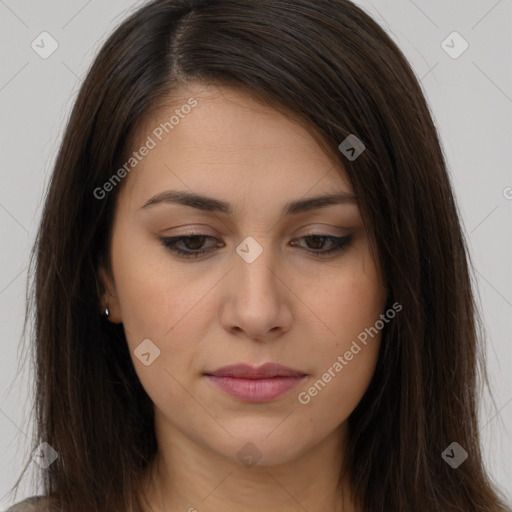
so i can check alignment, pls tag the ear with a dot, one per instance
(108, 296)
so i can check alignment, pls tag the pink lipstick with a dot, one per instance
(255, 384)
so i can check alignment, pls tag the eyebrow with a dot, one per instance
(210, 204)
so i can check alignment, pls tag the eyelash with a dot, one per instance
(341, 243)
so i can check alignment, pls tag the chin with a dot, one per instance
(262, 447)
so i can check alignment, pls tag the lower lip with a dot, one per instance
(255, 390)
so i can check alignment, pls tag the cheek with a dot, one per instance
(329, 398)
(350, 300)
(161, 303)
(157, 296)
(342, 372)
(344, 359)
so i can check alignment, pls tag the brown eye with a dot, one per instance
(317, 242)
(193, 245)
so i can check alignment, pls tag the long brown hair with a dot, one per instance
(329, 64)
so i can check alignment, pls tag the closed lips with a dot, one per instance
(266, 371)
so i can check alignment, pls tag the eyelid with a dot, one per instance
(309, 231)
(323, 231)
(315, 229)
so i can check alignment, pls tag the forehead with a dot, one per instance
(229, 142)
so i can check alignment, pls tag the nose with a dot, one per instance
(257, 301)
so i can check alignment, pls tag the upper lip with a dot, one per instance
(246, 371)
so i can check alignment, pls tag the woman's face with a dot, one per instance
(266, 289)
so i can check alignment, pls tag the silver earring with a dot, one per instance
(107, 312)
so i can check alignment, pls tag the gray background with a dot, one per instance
(471, 100)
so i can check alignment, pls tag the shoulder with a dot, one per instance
(33, 504)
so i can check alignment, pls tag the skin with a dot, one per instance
(288, 306)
